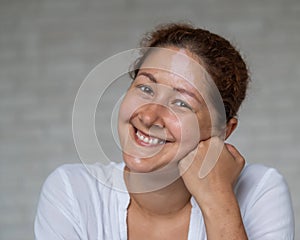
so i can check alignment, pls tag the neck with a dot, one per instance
(166, 201)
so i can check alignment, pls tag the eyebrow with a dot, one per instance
(180, 90)
(191, 94)
(148, 75)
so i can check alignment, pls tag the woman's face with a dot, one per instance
(163, 116)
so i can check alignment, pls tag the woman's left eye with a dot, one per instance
(146, 89)
(181, 103)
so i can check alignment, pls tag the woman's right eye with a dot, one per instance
(146, 89)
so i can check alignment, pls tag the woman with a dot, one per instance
(181, 180)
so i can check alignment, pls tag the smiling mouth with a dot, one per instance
(145, 139)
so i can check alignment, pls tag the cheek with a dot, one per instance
(189, 134)
(126, 110)
(128, 107)
(205, 126)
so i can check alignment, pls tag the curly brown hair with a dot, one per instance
(220, 59)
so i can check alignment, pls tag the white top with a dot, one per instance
(75, 205)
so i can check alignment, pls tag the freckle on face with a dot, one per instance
(185, 128)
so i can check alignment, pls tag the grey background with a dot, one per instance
(48, 47)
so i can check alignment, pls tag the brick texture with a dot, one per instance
(48, 47)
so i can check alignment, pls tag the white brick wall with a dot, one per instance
(48, 47)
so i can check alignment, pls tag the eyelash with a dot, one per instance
(148, 90)
(182, 104)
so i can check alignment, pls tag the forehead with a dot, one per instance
(182, 63)
(179, 64)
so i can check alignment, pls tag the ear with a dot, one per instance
(231, 126)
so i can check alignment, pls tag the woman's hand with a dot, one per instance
(210, 177)
(207, 174)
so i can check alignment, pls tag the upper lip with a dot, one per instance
(151, 136)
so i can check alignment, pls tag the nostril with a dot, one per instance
(150, 119)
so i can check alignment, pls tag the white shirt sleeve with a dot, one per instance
(56, 213)
(268, 214)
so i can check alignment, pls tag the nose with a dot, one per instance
(152, 115)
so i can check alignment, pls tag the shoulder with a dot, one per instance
(65, 176)
(256, 179)
(82, 172)
(81, 181)
(81, 188)
(265, 203)
(71, 194)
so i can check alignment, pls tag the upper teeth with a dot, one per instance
(149, 140)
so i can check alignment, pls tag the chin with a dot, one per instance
(148, 165)
(138, 165)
